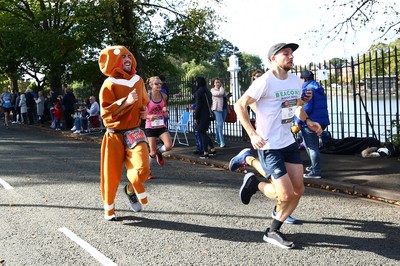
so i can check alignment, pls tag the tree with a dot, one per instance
(55, 34)
(380, 60)
(157, 32)
(375, 15)
(62, 39)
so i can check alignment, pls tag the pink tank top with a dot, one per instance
(156, 108)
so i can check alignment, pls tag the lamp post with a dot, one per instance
(234, 68)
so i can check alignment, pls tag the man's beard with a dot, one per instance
(125, 68)
(286, 67)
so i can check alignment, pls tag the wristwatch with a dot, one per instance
(305, 120)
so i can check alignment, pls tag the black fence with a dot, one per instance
(363, 96)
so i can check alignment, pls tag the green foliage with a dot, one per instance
(58, 41)
(192, 69)
(394, 133)
(48, 36)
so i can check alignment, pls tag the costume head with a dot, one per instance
(110, 62)
(279, 46)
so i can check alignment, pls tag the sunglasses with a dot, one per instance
(157, 83)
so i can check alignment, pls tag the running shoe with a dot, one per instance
(110, 217)
(248, 188)
(160, 159)
(150, 176)
(239, 160)
(278, 239)
(289, 220)
(133, 200)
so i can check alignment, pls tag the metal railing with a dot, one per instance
(363, 96)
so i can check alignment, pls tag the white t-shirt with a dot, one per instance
(276, 101)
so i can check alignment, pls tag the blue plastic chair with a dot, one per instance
(181, 128)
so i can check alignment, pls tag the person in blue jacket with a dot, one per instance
(316, 109)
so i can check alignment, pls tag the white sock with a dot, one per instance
(162, 149)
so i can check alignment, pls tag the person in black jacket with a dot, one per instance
(203, 100)
(30, 104)
(68, 104)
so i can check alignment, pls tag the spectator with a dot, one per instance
(256, 74)
(316, 109)
(57, 111)
(40, 108)
(164, 87)
(53, 97)
(14, 107)
(218, 98)
(30, 105)
(80, 115)
(18, 119)
(88, 112)
(199, 143)
(68, 105)
(203, 100)
(23, 108)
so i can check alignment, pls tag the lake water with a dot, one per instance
(351, 118)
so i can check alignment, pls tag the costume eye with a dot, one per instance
(117, 51)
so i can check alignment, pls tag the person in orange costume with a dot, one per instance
(123, 101)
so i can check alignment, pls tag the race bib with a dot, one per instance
(157, 122)
(288, 109)
(134, 137)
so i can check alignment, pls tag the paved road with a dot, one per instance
(53, 215)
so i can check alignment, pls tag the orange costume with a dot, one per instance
(114, 152)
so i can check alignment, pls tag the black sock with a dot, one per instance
(275, 226)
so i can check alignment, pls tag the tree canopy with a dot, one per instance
(58, 41)
(351, 16)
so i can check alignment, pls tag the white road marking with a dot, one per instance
(5, 184)
(86, 246)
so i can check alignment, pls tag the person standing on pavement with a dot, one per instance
(57, 111)
(18, 118)
(123, 101)
(317, 110)
(277, 97)
(23, 108)
(40, 108)
(202, 120)
(68, 106)
(220, 110)
(30, 105)
(155, 121)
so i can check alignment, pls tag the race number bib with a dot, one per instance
(134, 137)
(288, 109)
(157, 122)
